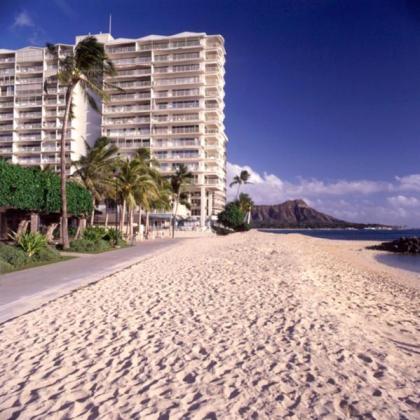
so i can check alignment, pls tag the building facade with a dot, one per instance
(168, 95)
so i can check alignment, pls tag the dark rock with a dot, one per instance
(402, 246)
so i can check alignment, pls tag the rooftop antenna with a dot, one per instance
(110, 23)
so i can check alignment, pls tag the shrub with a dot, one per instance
(47, 254)
(114, 237)
(233, 217)
(31, 243)
(72, 231)
(86, 245)
(5, 266)
(32, 189)
(13, 256)
(95, 233)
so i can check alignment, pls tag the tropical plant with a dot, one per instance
(84, 68)
(94, 170)
(94, 233)
(30, 243)
(179, 180)
(133, 177)
(245, 204)
(241, 179)
(233, 217)
(39, 191)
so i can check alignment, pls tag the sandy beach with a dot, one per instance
(254, 325)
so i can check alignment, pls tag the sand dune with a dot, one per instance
(253, 325)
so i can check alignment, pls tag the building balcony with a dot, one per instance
(127, 133)
(129, 97)
(6, 150)
(126, 121)
(4, 117)
(131, 61)
(35, 137)
(168, 144)
(8, 127)
(25, 70)
(179, 81)
(27, 150)
(6, 138)
(126, 109)
(29, 115)
(7, 60)
(6, 105)
(120, 50)
(28, 127)
(29, 161)
(128, 74)
(7, 82)
(25, 104)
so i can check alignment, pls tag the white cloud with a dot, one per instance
(23, 20)
(404, 201)
(269, 188)
(409, 182)
(354, 200)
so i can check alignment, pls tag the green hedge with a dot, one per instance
(34, 190)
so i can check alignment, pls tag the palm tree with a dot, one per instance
(245, 204)
(179, 180)
(146, 193)
(94, 170)
(84, 68)
(131, 180)
(241, 179)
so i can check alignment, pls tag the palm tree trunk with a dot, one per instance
(122, 216)
(92, 215)
(237, 193)
(174, 215)
(106, 215)
(139, 223)
(63, 176)
(147, 223)
(130, 223)
(248, 217)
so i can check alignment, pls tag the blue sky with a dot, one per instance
(322, 96)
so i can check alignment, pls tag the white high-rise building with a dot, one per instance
(31, 116)
(172, 101)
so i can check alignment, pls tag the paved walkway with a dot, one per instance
(26, 290)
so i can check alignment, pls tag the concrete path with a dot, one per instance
(26, 290)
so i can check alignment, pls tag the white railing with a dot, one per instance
(6, 104)
(6, 127)
(178, 81)
(7, 59)
(127, 133)
(191, 67)
(125, 121)
(118, 50)
(29, 138)
(186, 56)
(178, 105)
(130, 96)
(125, 61)
(29, 126)
(6, 82)
(6, 116)
(116, 109)
(29, 69)
(6, 150)
(28, 103)
(125, 85)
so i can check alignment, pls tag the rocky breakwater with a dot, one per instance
(402, 245)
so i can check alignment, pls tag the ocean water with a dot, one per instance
(404, 262)
(347, 234)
